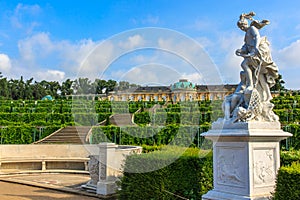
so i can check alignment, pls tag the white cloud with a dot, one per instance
(169, 58)
(193, 77)
(34, 47)
(132, 42)
(160, 46)
(230, 64)
(50, 75)
(96, 60)
(289, 57)
(204, 42)
(30, 9)
(140, 59)
(186, 49)
(287, 60)
(39, 51)
(23, 17)
(148, 74)
(87, 58)
(190, 51)
(222, 52)
(156, 74)
(46, 58)
(5, 63)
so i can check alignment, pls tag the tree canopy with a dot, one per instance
(33, 90)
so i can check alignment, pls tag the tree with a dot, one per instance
(66, 87)
(111, 85)
(100, 86)
(38, 91)
(123, 85)
(54, 88)
(28, 94)
(278, 84)
(4, 91)
(83, 86)
(13, 86)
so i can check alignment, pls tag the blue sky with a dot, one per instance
(56, 40)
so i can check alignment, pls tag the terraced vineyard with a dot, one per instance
(24, 122)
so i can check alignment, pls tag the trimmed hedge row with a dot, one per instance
(186, 176)
(294, 141)
(41, 119)
(184, 118)
(24, 134)
(180, 135)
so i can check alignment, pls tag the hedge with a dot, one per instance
(184, 118)
(24, 134)
(288, 157)
(287, 183)
(294, 141)
(190, 176)
(148, 135)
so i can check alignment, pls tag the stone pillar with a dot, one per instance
(245, 159)
(106, 184)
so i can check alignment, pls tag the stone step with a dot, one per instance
(124, 119)
(68, 135)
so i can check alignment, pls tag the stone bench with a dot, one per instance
(49, 163)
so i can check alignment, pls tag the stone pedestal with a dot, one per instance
(106, 167)
(106, 184)
(245, 159)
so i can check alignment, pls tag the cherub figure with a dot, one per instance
(258, 65)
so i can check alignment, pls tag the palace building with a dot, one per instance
(183, 90)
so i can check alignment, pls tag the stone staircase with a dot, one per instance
(67, 135)
(122, 119)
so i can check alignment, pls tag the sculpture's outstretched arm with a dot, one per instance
(247, 15)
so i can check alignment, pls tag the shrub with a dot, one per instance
(150, 148)
(190, 176)
(287, 183)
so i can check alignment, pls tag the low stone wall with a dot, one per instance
(45, 157)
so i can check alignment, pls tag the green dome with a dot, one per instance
(183, 84)
(47, 97)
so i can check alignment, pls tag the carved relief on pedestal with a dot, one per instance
(102, 171)
(94, 169)
(229, 169)
(264, 167)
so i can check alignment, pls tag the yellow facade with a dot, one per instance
(180, 91)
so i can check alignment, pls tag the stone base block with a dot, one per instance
(89, 187)
(106, 188)
(215, 195)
